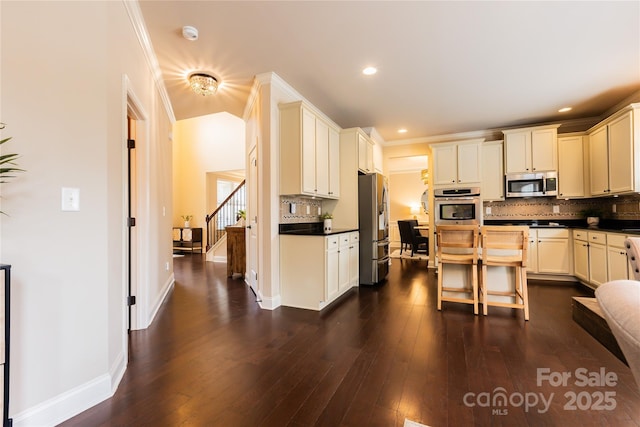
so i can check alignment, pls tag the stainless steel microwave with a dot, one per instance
(531, 184)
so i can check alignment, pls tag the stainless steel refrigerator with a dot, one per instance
(373, 218)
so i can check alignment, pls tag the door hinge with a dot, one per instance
(131, 300)
(131, 222)
(131, 144)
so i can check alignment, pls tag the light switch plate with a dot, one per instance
(556, 209)
(70, 199)
(613, 208)
(292, 208)
(487, 210)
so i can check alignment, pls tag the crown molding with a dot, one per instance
(135, 15)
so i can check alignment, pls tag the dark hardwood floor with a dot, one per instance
(212, 357)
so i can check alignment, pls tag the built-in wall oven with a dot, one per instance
(457, 206)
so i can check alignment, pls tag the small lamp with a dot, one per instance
(415, 210)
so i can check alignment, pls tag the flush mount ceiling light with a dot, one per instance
(369, 71)
(203, 84)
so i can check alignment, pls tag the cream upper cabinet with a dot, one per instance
(621, 152)
(614, 153)
(572, 159)
(599, 162)
(531, 150)
(492, 171)
(456, 163)
(309, 153)
(365, 154)
(334, 163)
(322, 158)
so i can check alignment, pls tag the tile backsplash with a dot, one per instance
(626, 208)
(302, 203)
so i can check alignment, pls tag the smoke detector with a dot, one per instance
(190, 33)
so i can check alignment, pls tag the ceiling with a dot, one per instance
(443, 67)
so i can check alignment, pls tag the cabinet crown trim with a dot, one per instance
(531, 128)
(614, 116)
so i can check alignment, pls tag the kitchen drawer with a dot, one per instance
(344, 239)
(354, 237)
(580, 235)
(553, 233)
(617, 240)
(597, 237)
(332, 242)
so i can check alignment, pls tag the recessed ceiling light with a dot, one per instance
(564, 109)
(403, 130)
(369, 71)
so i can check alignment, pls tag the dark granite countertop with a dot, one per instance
(311, 229)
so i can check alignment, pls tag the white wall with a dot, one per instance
(62, 96)
(204, 144)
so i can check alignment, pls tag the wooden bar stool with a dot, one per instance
(505, 246)
(458, 244)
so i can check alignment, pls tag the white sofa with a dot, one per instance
(620, 302)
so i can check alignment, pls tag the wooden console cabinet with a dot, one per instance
(187, 239)
(236, 250)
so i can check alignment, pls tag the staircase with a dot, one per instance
(225, 215)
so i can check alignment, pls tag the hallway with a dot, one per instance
(213, 357)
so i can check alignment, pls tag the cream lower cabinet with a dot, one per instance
(597, 258)
(549, 251)
(581, 255)
(354, 259)
(590, 256)
(617, 263)
(315, 270)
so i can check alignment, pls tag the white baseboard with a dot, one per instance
(154, 309)
(269, 303)
(66, 405)
(116, 372)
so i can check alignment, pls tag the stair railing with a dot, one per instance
(225, 215)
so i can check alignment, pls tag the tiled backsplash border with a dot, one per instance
(627, 208)
(286, 217)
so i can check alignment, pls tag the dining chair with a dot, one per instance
(457, 244)
(411, 237)
(505, 246)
